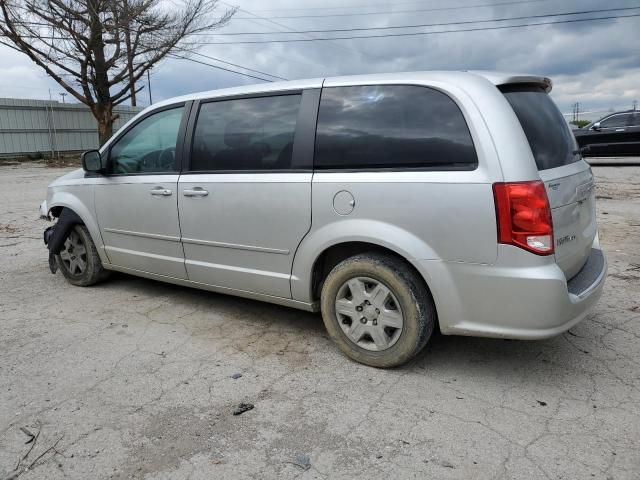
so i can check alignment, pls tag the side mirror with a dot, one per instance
(596, 126)
(91, 161)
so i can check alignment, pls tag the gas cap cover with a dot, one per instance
(343, 202)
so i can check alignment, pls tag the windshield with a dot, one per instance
(551, 141)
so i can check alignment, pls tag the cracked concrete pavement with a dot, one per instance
(133, 378)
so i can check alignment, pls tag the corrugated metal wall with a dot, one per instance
(34, 126)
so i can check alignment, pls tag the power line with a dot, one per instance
(180, 57)
(394, 12)
(276, 55)
(208, 64)
(203, 55)
(413, 34)
(335, 8)
(285, 26)
(395, 27)
(42, 24)
(239, 66)
(419, 25)
(391, 12)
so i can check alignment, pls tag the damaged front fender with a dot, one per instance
(75, 194)
(55, 235)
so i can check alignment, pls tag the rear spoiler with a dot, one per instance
(500, 79)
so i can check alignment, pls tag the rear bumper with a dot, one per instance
(531, 300)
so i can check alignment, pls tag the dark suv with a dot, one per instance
(614, 135)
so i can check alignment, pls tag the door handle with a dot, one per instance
(163, 192)
(196, 192)
(620, 129)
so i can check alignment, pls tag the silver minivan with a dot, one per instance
(391, 203)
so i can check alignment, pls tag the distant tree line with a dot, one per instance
(580, 123)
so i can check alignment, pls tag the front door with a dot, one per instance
(136, 201)
(245, 203)
(610, 138)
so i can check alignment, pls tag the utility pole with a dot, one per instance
(63, 94)
(54, 147)
(149, 86)
(575, 113)
(127, 43)
(635, 105)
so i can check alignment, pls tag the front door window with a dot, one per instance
(615, 121)
(149, 147)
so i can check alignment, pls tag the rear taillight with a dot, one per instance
(523, 216)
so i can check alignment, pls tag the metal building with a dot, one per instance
(31, 127)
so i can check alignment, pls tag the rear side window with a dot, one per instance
(549, 136)
(391, 126)
(245, 134)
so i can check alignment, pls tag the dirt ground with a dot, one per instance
(133, 378)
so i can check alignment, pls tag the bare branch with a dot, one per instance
(93, 46)
(126, 97)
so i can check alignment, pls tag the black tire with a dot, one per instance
(416, 308)
(93, 271)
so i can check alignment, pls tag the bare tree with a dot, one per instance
(98, 49)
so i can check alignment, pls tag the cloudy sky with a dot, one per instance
(595, 63)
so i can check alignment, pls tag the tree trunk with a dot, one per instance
(103, 107)
(104, 117)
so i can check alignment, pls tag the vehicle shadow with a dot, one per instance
(217, 303)
(442, 353)
(528, 361)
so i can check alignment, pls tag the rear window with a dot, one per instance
(549, 136)
(391, 127)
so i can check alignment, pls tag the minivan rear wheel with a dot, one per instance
(78, 259)
(378, 311)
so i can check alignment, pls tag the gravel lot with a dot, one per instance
(133, 378)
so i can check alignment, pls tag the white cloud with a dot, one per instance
(595, 63)
(22, 79)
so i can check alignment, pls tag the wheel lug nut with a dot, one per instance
(377, 310)
(359, 308)
(375, 322)
(363, 320)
